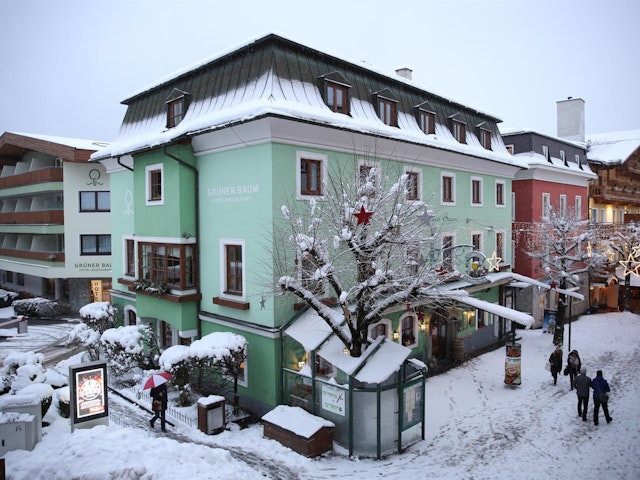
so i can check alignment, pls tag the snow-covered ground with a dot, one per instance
(477, 428)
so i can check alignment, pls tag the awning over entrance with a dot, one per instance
(521, 278)
(523, 319)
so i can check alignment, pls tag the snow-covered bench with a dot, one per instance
(299, 430)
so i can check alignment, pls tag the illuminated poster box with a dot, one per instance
(88, 388)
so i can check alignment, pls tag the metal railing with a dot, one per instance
(143, 399)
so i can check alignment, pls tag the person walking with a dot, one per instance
(582, 384)
(573, 366)
(600, 397)
(555, 359)
(159, 405)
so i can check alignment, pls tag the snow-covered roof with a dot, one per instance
(250, 41)
(380, 360)
(537, 160)
(79, 143)
(274, 82)
(613, 148)
(296, 420)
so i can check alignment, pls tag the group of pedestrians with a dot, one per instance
(583, 384)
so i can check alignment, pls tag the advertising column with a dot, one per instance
(512, 365)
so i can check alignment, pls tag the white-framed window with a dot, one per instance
(500, 193)
(232, 269)
(510, 148)
(129, 259)
(477, 240)
(545, 152)
(408, 329)
(500, 245)
(311, 174)
(414, 184)
(578, 207)
(546, 204)
(448, 259)
(603, 215)
(476, 192)
(369, 177)
(447, 188)
(382, 328)
(593, 215)
(563, 157)
(154, 184)
(563, 205)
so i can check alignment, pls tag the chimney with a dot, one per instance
(404, 73)
(570, 118)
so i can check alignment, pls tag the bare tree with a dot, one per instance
(625, 242)
(563, 244)
(366, 245)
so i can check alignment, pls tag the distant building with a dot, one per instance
(558, 177)
(55, 225)
(614, 200)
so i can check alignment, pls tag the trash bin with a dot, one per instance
(211, 414)
(22, 324)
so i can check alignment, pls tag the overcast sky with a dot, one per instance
(67, 64)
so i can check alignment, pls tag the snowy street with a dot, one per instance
(477, 428)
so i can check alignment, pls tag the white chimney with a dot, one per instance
(570, 118)
(404, 73)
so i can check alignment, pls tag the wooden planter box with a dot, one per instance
(297, 429)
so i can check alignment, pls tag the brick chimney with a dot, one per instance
(570, 118)
(404, 73)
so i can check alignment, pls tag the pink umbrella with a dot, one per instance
(157, 379)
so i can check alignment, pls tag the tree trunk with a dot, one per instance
(558, 333)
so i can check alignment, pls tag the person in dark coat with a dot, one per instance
(555, 359)
(600, 387)
(159, 394)
(573, 366)
(582, 383)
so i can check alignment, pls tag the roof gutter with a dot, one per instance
(122, 164)
(197, 232)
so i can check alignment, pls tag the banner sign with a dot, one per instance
(333, 400)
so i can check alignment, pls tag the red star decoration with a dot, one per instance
(363, 216)
(553, 285)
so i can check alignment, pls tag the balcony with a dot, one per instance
(625, 194)
(42, 256)
(46, 217)
(37, 176)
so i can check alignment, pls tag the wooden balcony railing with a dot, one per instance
(44, 256)
(622, 194)
(44, 217)
(37, 176)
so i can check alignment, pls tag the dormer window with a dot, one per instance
(426, 118)
(545, 153)
(484, 135)
(336, 92)
(386, 103)
(458, 128)
(177, 104)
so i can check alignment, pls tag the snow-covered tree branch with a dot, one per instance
(363, 246)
